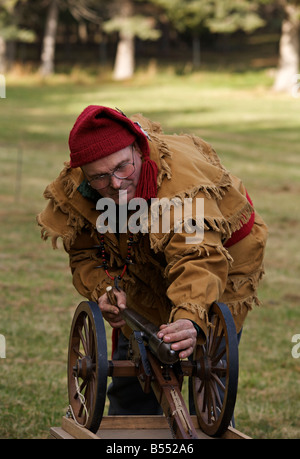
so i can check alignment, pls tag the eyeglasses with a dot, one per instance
(123, 171)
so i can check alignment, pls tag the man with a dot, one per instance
(160, 274)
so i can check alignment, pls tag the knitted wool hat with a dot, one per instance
(100, 131)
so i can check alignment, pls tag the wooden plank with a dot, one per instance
(133, 422)
(59, 433)
(78, 432)
(131, 427)
(135, 434)
(234, 434)
(140, 427)
(154, 422)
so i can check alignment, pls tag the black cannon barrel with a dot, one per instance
(137, 322)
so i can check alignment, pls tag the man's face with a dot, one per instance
(110, 164)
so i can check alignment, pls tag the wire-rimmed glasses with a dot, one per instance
(122, 172)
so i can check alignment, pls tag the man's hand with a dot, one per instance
(182, 334)
(110, 312)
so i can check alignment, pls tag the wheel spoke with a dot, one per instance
(81, 410)
(219, 382)
(219, 369)
(217, 344)
(77, 352)
(216, 393)
(83, 385)
(213, 400)
(92, 344)
(86, 333)
(217, 358)
(91, 389)
(83, 340)
(213, 334)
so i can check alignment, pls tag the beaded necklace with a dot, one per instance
(90, 193)
(128, 260)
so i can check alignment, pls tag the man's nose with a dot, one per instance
(115, 182)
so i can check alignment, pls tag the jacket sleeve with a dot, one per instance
(88, 280)
(197, 276)
(88, 277)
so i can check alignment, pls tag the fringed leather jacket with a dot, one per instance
(168, 279)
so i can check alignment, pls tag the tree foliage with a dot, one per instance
(224, 16)
(232, 15)
(121, 22)
(9, 22)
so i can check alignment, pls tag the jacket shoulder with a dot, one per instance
(67, 211)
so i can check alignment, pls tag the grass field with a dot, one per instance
(255, 132)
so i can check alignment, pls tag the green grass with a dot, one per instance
(255, 132)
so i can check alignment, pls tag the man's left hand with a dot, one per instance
(182, 334)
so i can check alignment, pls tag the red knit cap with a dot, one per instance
(100, 131)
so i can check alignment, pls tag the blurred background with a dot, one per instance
(225, 70)
(56, 34)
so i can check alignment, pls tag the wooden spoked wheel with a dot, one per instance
(215, 385)
(87, 366)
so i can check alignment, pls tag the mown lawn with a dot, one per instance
(255, 132)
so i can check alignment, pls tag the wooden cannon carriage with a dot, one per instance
(212, 373)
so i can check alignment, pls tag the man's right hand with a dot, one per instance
(110, 312)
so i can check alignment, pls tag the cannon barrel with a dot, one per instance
(137, 322)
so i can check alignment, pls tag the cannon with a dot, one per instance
(212, 371)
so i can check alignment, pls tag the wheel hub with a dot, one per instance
(84, 368)
(204, 368)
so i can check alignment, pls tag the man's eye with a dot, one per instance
(99, 177)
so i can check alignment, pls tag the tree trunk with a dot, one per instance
(48, 52)
(196, 52)
(2, 55)
(288, 67)
(10, 54)
(124, 64)
(125, 57)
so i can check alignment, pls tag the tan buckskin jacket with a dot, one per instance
(169, 278)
